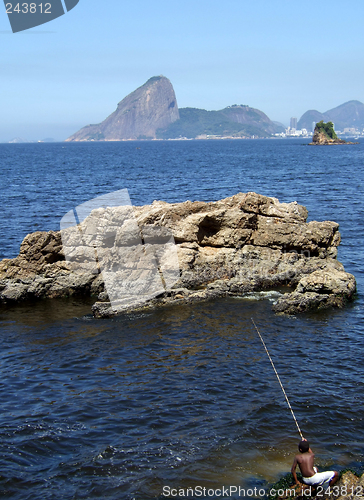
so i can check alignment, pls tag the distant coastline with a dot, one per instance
(151, 112)
(212, 138)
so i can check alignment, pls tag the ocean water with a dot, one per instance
(184, 397)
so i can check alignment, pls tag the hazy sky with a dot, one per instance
(280, 56)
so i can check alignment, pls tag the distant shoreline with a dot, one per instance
(178, 140)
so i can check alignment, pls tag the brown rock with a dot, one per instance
(244, 243)
(321, 289)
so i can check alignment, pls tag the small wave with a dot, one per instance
(271, 295)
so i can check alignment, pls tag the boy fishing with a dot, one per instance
(310, 474)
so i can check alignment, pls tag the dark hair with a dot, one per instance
(304, 446)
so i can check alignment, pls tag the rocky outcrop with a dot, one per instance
(318, 290)
(40, 271)
(321, 139)
(234, 246)
(138, 116)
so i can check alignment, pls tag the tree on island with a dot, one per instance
(327, 129)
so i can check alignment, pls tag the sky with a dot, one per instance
(280, 56)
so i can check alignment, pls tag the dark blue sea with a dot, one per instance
(145, 406)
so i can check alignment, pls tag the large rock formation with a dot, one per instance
(151, 112)
(244, 243)
(138, 116)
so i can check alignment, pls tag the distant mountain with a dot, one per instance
(349, 114)
(138, 116)
(309, 117)
(279, 124)
(233, 121)
(151, 112)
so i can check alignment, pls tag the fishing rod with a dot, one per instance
(279, 380)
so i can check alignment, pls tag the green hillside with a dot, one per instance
(234, 121)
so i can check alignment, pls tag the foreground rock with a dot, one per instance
(242, 244)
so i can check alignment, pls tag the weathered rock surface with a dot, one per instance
(40, 271)
(139, 115)
(319, 290)
(241, 244)
(319, 138)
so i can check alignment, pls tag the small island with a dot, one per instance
(325, 135)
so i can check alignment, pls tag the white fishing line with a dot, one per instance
(279, 380)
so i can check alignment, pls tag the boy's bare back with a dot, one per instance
(305, 462)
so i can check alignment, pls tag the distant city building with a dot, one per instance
(292, 132)
(293, 123)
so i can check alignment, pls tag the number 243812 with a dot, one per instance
(25, 8)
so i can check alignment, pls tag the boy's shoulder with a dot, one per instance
(300, 457)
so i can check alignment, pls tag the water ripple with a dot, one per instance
(184, 396)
